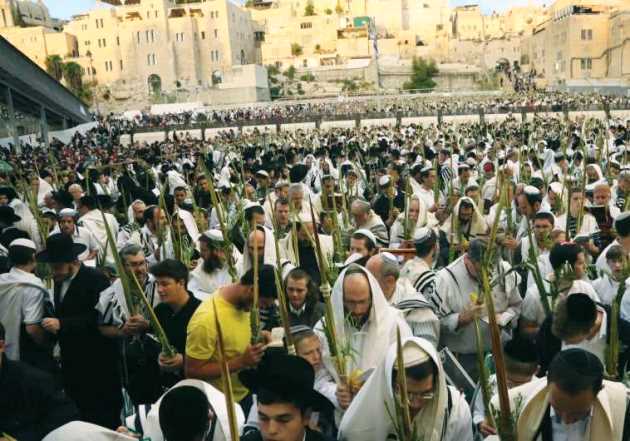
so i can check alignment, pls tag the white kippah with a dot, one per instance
(367, 233)
(531, 190)
(422, 234)
(414, 355)
(26, 243)
(214, 235)
(67, 212)
(384, 180)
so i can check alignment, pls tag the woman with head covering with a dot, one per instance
(439, 412)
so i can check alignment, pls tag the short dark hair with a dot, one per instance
(562, 253)
(249, 212)
(184, 414)
(180, 188)
(170, 268)
(149, 213)
(418, 372)
(368, 243)
(545, 215)
(423, 248)
(21, 255)
(532, 198)
(574, 315)
(615, 252)
(267, 396)
(280, 201)
(576, 370)
(476, 250)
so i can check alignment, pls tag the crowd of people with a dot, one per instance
(411, 105)
(366, 284)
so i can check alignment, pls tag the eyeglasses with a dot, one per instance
(417, 396)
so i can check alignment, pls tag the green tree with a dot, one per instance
(290, 73)
(328, 11)
(309, 10)
(296, 50)
(422, 74)
(73, 75)
(54, 66)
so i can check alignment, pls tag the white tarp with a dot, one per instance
(162, 109)
(62, 135)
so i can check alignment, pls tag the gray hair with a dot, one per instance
(364, 206)
(296, 188)
(130, 250)
(476, 250)
(389, 267)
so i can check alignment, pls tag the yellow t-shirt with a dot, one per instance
(201, 341)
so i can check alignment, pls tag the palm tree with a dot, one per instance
(73, 73)
(54, 66)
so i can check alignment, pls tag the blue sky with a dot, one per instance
(67, 8)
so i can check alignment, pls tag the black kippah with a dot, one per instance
(581, 308)
(521, 350)
(579, 361)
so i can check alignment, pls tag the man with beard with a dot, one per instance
(211, 273)
(232, 305)
(307, 258)
(136, 221)
(67, 224)
(88, 359)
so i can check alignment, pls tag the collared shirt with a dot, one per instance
(569, 432)
(298, 311)
(65, 285)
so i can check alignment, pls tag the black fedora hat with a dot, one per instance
(287, 375)
(8, 216)
(60, 248)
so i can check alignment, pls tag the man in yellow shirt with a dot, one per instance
(233, 303)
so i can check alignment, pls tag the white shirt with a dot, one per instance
(203, 285)
(568, 432)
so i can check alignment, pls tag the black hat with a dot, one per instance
(289, 376)
(8, 216)
(104, 201)
(60, 248)
(297, 173)
(521, 349)
(622, 224)
(267, 282)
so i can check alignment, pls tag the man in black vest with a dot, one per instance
(88, 359)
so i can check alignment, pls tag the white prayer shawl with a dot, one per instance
(151, 421)
(27, 222)
(149, 243)
(174, 180)
(203, 285)
(601, 264)
(190, 224)
(606, 288)
(397, 232)
(112, 305)
(371, 342)
(532, 308)
(454, 285)
(366, 418)
(625, 303)
(269, 257)
(377, 227)
(22, 297)
(588, 227)
(404, 291)
(93, 221)
(287, 251)
(81, 431)
(477, 224)
(42, 190)
(607, 417)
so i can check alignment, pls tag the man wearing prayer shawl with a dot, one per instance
(266, 249)
(439, 412)
(368, 330)
(468, 223)
(573, 402)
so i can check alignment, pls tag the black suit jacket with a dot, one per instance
(89, 360)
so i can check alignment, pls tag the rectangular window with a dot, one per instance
(586, 34)
(152, 36)
(216, 33)
(121, 65)
(146, 35)
(138, 37)
(586, 63)
(306, 25)
(148, 59)
(118, 41)
(203, 35)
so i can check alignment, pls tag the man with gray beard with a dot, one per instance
(211, 273)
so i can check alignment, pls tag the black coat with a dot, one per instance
(89, 360)
(30, 404)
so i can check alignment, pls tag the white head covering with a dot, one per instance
(80, 431)
(216, 398)
(269, 257)
(366, 419)
(381, 324)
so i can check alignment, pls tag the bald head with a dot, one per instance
(386, 271)
(256, 237)
(357, 297)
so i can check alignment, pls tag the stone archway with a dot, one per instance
(155, 84)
